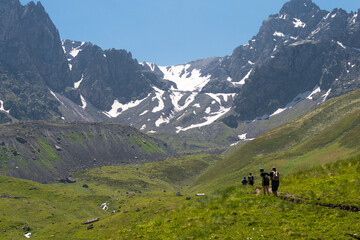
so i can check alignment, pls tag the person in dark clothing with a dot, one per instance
(251, 179)
(265, 181)
(275, 181)
(244, 181)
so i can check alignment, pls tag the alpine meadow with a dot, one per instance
(262, 143)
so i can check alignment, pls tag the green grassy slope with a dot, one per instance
(25, 204)
(236, 212)
(63, 207)
(325, 134)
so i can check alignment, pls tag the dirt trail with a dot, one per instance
(300, 200)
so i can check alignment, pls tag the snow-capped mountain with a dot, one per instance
(300, 57)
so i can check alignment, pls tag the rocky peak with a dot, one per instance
(42, 42)
(299, 8)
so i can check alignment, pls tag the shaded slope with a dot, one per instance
(323, 135)
(46, 151)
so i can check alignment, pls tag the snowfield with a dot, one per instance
(185, 80)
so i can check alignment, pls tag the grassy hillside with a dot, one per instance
(26, 206)
(326, 134)
(236, 212)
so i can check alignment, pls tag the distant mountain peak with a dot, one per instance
(297, 8)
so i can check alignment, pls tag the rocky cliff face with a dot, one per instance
(295, 51)
(32, 61)
(109, 75)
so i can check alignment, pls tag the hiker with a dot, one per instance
(244, 181)
(274, 175)
(265, 181)
(251, 179)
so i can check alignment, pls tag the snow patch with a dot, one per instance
(77, 84)
(242, 81)
(52, 93)
(104, 55)
(75, 51)
(283, 16)
(83, 101)
(163, 119)
(297, 99)
(197, 105)
(225, 96)
(298, 23)
(341, 45)
(334, 15)
(2, 107)
(278, 34)
(143, 113)
(185, 80)
(315, 31)
(242, 138)
(208, 120)
(326, 95)
(158, 95)
(151, 65)
(117, 108)
(143, 127)
(70, 66)
(315, 91)
(327, 16)
(208, 110)
(353, 19)
(250, 62)
(176, 96)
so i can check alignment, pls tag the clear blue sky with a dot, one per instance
(168, 32)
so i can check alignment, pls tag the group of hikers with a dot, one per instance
(266, 177)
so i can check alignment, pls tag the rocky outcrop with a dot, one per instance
(296, 69)
(109, 75)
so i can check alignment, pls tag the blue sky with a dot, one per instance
(168, 32)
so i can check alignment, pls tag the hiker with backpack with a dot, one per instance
(265, 181)
(244, 181)
(251, 179)
(275, 180)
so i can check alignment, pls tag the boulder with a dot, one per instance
(90, 221)
(58, 148)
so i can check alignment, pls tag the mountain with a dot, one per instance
(48, 151)
(300, 57)
(32, 62)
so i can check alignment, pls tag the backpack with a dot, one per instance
(266, 180)
(275, 176)
(251, 178)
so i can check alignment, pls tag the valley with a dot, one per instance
(318, 193)
(97, 145)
